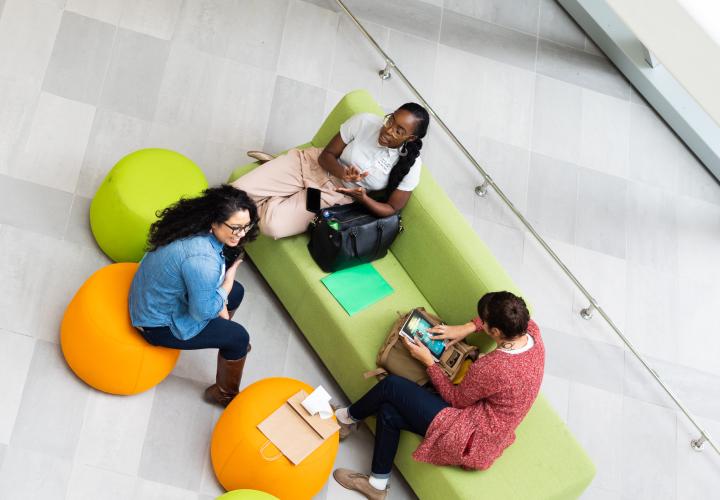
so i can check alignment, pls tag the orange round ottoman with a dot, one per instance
(247, 495)
(100, 344)
(236, 449)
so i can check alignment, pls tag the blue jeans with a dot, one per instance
(231, 338)
(400, 404)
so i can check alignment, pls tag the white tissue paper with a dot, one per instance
(318, 402)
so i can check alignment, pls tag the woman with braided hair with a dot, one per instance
(370, 154)
(183, 296)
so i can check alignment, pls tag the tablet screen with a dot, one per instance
(416, 326)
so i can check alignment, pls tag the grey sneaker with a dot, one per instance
(358, 482)
(345, 429)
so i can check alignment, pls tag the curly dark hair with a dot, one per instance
(404, 163)
(191, 216)
(505, 311)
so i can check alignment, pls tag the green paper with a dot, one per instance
(356, 288)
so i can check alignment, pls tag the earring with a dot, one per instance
(403, 150)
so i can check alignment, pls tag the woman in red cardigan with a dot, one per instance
(469, 424)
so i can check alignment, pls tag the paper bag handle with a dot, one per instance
(269, 459)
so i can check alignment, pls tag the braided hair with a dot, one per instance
(191, 216)
(404, 163)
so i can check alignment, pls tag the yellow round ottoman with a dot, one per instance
(247, 495)
(236, 446)
(100, 344)
(137, 187)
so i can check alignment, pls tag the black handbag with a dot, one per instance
(343, 236)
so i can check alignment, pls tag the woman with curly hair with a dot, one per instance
(183, 295)
(369, 154)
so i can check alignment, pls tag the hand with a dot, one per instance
(419, 351)
(230, 271)
(452, 334)
(357, 194)
(224, 313)
(353, 174)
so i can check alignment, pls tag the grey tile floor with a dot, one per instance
(617, 195)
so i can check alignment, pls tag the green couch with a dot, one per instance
(440, 263)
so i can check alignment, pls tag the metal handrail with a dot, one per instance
(586, 313)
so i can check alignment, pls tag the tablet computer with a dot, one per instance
(416, 328)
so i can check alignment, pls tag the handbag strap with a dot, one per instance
(380, 227)
(269, 459)
(375, 373)
(353, 239)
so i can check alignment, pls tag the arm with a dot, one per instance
(453, 334)
(479, 383)
(328, 159)
(227, 285)
(397, 199)
(478, 324)
(205, 300)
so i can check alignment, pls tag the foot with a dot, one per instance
(358, 482)
(260, 156)
(345, 429)
(215, 395)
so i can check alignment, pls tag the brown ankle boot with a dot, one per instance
(227, 384)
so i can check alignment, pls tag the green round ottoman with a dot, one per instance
(247, 495)
(138, 186)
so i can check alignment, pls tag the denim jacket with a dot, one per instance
(178, 286)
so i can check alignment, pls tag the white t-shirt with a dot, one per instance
(529, 345)
(360, 133)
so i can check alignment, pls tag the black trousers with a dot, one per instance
(231, 338)
(400, 404)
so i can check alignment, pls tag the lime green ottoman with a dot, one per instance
(247, 495)
(440, 263)
(138, 186)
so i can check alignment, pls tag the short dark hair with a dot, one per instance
(505, 311)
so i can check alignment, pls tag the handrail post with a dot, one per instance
(699, 443)
(385, 73)
(587, 312)
(482, 189)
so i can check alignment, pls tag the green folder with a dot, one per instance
(356, 288)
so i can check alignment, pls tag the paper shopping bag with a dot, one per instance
(294, 431)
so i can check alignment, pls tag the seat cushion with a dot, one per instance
(545, 462)
(128, 200)
(99, 343)
(348, 345)
(242, 457)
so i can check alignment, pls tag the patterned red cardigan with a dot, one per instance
(485, 408)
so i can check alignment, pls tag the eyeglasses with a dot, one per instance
(236, 230)
(392, 128)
